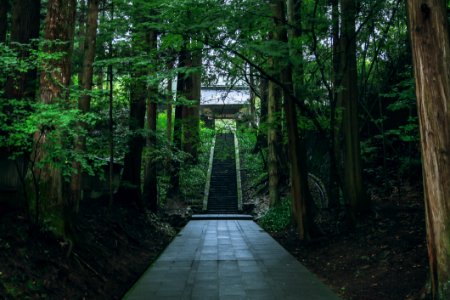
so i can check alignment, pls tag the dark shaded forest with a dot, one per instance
(110, 109)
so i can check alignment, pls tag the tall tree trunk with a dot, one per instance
(25, 27)
(182, 85)
(175, 169)
(170, 65)
(429, 31)
(334, 129)
(348, 96)
(110, 79)
(21, 86)
(130, 185)
(302, 203)
(261, 137)
(274, 142)
(191, 118)
(4, 7)
(274, 115)
(252, 97)
(197, 57)
(54, 83)
(82, 14)
(150, 193)
(84, 102)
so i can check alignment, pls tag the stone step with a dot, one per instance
(228, 216)
(223, 186)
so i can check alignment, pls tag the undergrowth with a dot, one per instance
(278, 217)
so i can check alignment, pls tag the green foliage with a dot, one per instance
(277, 218)
(251, 163)
(55, 128)
(395, 146)
(12, 62)
(193, 177)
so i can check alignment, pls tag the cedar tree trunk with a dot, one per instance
(84, 102)
(54, 83)
(431, 57)
(4, 7)
(150, 193)
(348, 94)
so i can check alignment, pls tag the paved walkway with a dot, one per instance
(227, 259)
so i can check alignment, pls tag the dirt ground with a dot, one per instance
(385, 257)
(117, 246)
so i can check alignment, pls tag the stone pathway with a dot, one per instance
(227, 259)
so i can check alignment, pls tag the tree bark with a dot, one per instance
(130, 185)
(54, 83)
(25, 28)
(175, 169)
(110, 77)
(56, 76)
(21, 86)
(274, 115)
(348, 96)
(261, 137)
(4, 7)
(274, 120)
(82, 15)
(429, 31)
(334, 188)
(170, 65)
(252, 97)
(191, 119)
(183, 84)
(150, 193)
(301, 197)
(84, 102)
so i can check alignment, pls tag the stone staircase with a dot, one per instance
(223, 195)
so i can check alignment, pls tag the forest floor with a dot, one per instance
(385, 257)
(115, 248)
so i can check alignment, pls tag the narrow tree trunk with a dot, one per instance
(130, 185)
(429, 31)
(191, 120)
(182, 86)
(110, 108)
(334, 201)
(81, 37)
(4, 7)
(348, 94)
(169, 108)
(252, 98)
(54, 83)
(150, 193)
(21, 86)
(175, 169)
(84, 102)
(261, 138)
(194, 123)
(301, 197)
(274, 142)
(25, 27)
(274, 115)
